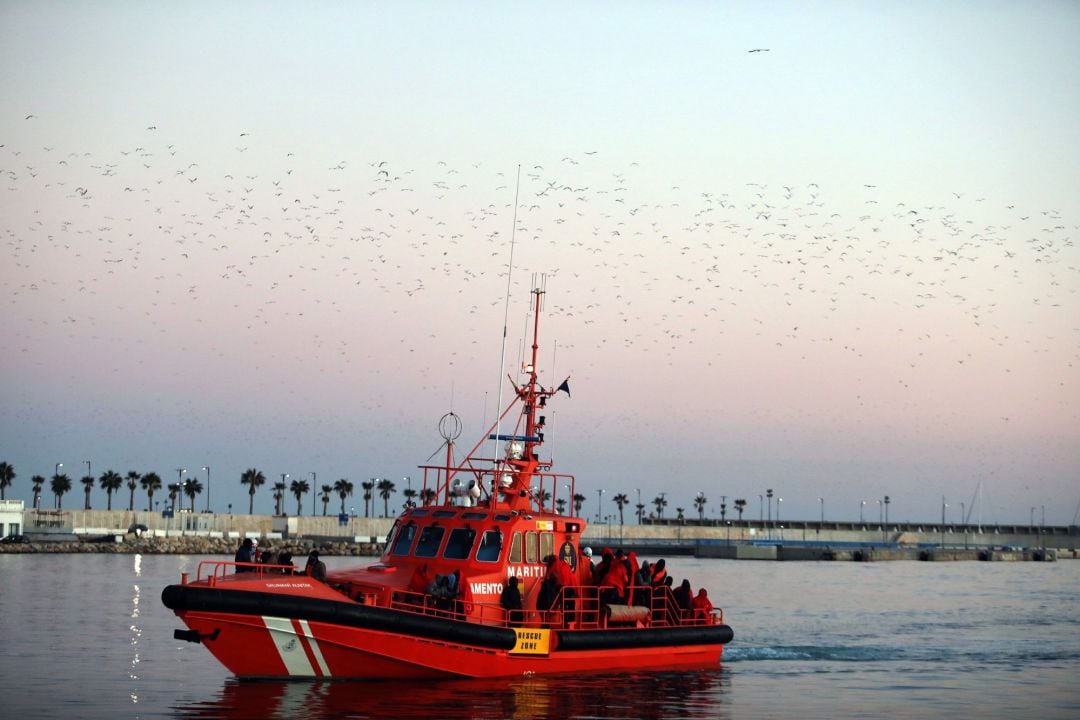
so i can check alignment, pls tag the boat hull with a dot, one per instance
(261, 635)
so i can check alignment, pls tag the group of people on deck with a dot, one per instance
(449, 593)
(248, 555)
(623, 581)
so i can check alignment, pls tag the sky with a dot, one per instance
(824, 248)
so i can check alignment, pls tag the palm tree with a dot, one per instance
(60, 484)
(699, 503)
(174, 492)
(660, 502)
(427, 496)
(7, 476)
(279, 497)
(543, 496)
(409, 494)
(132, 483)
(386, 489)
(151, 483)
(192, 488)
(620, 502)
(344, 489)
(679, 514)
(37, 481)
(299, 488)
(560, 506)
(368, 486)
(579, 500)
(740, 505)
(640, 511)
(88, 485)
(110, 482)
(253, 479)
(325, 490)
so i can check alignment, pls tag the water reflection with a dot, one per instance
(690, 694)
(136, 629)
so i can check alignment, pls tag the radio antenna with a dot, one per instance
(506, 322)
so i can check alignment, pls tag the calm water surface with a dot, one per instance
(86, 636)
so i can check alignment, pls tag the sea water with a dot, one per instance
(86, 636)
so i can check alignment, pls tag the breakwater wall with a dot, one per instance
(708, 538)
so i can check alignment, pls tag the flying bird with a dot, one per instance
(759, 50)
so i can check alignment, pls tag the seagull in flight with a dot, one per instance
(759, 50)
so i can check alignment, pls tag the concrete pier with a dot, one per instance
(742, 540)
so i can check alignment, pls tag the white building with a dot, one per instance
(11, 517)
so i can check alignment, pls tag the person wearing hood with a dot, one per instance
(643, 585)
(315, 568)
(585, 567)
(659, 572)
(420, 579)
(702, 606)
(245, 554)
(615, 581)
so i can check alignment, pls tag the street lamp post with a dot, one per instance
(821, 501)
(314, 495)
(768, 496)
(862, 507)
(88, 470)
(944, 505)
(761, 509)
(640, 507)
(599, 503)
(281, 496)
(207, 469)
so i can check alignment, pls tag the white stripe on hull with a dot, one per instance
(324, 669)
(290, 647)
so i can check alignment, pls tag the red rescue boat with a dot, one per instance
(433, 606)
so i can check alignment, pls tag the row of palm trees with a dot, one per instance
(151, 483)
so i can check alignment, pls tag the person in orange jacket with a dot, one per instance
(701, 604)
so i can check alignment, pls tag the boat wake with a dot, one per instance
(836, 653)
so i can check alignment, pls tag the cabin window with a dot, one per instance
(404, 539)
(490, 546)
(444, 513)
(547, 544)
(418, 512)
(515, 548)
(474, 516)
(430, 539)
(531, 548)
(390, 537)
(459, 546)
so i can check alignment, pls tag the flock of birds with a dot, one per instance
(267, 276)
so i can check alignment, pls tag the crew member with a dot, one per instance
(315, 568)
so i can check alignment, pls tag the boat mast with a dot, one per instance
(521, 462)
(502, 351)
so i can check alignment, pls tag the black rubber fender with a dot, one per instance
(179, 598)
(645, 637)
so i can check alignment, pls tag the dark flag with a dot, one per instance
(565, 386)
